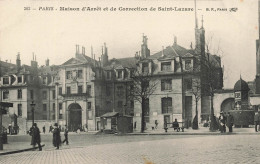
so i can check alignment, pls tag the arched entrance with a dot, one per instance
(227, 105)
(75, 117)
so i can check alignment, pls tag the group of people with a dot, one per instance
(36, 138)
(226, 121)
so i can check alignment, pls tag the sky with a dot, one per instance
(54, 34)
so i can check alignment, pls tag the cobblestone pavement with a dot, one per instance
(202, 149)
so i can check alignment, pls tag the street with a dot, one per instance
(146, 149)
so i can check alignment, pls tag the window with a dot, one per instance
(108, 75)
(5, 94)
(44, 95)
(68, 90)
(145, 68)
(120, 91)
(237, 95)
(44, 80)
(44, 107)
(188, 83)
(31, 94)
(6, 80)
(80, 74)
(120, 104)
(19, 79)
(53, 106)
(89, 90)
(53, 94)
(166, 105)
(166, 66)
(60, 90)
(60, 106)
(120, 74)
(89, 105)
(188, 64)
(68, 74)
(19, 94)
(166, 84)
(80, 89)
(19, 107)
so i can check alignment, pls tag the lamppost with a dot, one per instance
(32, 107)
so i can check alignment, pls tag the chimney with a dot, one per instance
(162, 51)
(91, 52)
(34, 62)
(18, 61)
(175, 40)
(47, 62)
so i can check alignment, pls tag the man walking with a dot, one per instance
(66, 135)
(256, 120)
(222, 120)
(56, 136)
(230, 121)
(36, 138)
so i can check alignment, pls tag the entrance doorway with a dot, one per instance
(75, 117)
(228, 105)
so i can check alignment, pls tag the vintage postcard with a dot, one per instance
(129, 81)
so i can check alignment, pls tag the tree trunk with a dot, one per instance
(142, 117)
(195, 120)
(213, 121)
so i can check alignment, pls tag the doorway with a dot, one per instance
(75, 117)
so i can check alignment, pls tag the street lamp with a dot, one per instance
(33, 106)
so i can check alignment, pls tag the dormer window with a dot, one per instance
(120, 74)
(145, 67)
(6, 80)
(166, 66)
(188, 65)
(44, 81)
(108, 75)
(19, 79)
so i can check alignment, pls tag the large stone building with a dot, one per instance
(78, 92)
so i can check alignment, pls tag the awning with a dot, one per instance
(110, 114)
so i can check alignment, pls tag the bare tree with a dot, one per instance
(211, 79)
(196, 91)
(141, 88)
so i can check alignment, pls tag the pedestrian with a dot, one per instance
(256, 120)
(43, 129)
(56, 136)
(222, 121)
(50, 130)
(156, 124)
(230, 122)
(66, 135)
(36, 138)
(135, 125)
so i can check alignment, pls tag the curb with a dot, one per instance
(19, 151)
(212, 133)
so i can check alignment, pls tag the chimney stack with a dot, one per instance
(47, 62)
(91, 52)
(175, 40)
(18, 61)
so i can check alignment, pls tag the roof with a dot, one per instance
(241, 85)
(121, 63)
(110, 114)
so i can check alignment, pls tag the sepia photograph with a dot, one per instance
(129, 81)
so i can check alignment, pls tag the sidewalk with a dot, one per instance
(200, 131)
